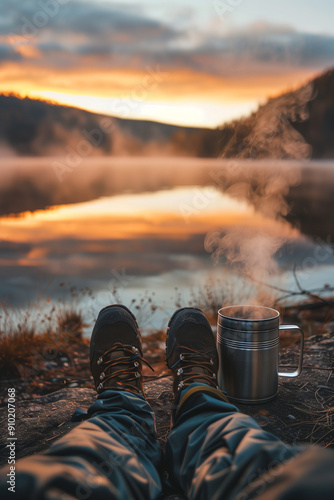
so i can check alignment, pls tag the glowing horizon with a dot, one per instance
(174, 102)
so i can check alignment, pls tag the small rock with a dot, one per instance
(50, 365)
(73, 384)
(66, 365)
(35, 408)
(263, 412)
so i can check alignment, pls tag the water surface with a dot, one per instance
(146, 235)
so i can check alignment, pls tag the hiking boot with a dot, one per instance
(191, 352)
(116, 351)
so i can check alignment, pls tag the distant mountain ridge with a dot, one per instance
(297, 124)
(31, 127)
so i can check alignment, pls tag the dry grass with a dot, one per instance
(216, 294)
(27, 340)
(320, 422)
(49, 331)
(70, 323)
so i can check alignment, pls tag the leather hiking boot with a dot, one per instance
(116, 352)
(191, 352)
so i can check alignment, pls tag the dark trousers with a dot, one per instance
(213, 452)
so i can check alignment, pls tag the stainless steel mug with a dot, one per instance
(248, 349)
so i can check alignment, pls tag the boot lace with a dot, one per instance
(194, 365)
(123, 371)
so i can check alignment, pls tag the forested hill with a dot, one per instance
(297, 124)
(32, 127)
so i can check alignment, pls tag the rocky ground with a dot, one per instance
(67, 366)
(302, 412)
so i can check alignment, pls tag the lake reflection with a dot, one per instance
(146, 241)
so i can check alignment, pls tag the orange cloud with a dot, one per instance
(28, 51)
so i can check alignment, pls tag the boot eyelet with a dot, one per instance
(137, 375)
(100, 386)
(214, 375)
(100, 360)
(211, 361)
(134, 349)
(181, 357)
(136, 364)
(179, 371)
(181, 384)
(102, 376)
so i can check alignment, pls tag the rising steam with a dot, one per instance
(251, 251)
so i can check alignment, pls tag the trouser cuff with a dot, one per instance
(216, 393)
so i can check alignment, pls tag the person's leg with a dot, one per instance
(113, 454)
(213, 450)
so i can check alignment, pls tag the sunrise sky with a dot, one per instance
(197, 63)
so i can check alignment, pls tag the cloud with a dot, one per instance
(81, 25)
(79, 30)
(6, 54)
(264, 45)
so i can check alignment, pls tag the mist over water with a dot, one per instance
(158, 226)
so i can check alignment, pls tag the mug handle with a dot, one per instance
(300, 362)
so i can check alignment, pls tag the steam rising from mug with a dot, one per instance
(252, 250)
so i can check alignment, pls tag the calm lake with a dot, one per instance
(162, 231)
